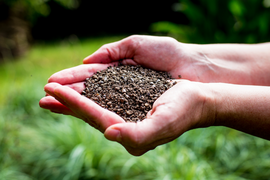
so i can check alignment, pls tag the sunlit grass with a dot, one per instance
(43, 60)
(37, 144)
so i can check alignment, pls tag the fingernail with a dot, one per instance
(60, 97)
(114, 135)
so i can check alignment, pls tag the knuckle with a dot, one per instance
(133, 39)
(104, 46)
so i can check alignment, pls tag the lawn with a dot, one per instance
(38, 145)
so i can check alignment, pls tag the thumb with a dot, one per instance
(123, 49)
(137, 138)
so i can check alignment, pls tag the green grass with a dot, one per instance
(43, 60)
(38, 145)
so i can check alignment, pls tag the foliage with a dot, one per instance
(37, 144)
(16, 19)
(34, 8)
(241, 21)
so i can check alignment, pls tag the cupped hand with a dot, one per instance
(158, 53)
(179, 109)
(183, 107)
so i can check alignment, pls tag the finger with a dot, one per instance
(79, 87)
(77, 74)
(83, 107)
(124, 49)
(55, 106)
(135, 137)
(49, 88)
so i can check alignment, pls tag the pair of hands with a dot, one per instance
(183, 107)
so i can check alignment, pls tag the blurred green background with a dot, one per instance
(38, 38)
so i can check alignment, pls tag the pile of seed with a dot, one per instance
(129, 91)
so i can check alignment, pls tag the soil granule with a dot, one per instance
(129, 91)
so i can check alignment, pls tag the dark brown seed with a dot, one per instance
(129, 112)
(109, 103)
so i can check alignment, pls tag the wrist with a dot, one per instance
(207, 97)
(234, 63)
(218, 63)
(242, 107)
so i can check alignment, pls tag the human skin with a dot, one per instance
(227, 63)
(189, 104)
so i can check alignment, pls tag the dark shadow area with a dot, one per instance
(94, 18)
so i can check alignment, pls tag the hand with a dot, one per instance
(158, 53)
(202, 63)
(183, 107)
